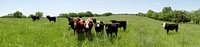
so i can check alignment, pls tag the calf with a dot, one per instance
(170, 27)
(112, 28)
(122, 23)
(35, 18)
(51, 18)
(99, 27)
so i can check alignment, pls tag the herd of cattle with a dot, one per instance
(80, 26)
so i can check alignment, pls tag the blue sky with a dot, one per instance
(55, 7)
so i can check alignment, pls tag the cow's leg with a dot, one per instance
(116, 33)
(74, 32)
(111, 34)
(176, 29)
(54, 20)
(167, 31)
(124, 28)
(107, 34)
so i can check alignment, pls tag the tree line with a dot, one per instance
(177, 16)
(19, 14)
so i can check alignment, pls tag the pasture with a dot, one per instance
(141, 32)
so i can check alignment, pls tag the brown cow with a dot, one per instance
(88, 25)
(78, 25)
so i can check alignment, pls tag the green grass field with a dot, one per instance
(141, 32)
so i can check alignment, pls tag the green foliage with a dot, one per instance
(166, 10)
(30, 15)
(63, 15)
(107, 14)
(18, 14)
(8, 16)
(167, 14)
(141, 14)
(40, 14)
(89, 14)
(195, 16)
(71, 14)
(149, 13)
(181, 16)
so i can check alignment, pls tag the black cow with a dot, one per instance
(170, 27)
(51, 18)
(35, 18)
(122, 23)
(71, 22)
(112, 28)
(99, 26)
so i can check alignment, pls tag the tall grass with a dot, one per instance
(141, 32)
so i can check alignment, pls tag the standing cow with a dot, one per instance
(122, 23)
(168, 27)
(51, 18)
(35, 18)
(112, 28)
(99, 27)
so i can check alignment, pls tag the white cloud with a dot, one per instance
(157, 3)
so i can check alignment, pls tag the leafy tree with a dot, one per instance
(71, 14)
(107, 14)
(83, 14)
(166, 10)
(30, 15)
(8, 16)
(140, 14)
(40, 14)
(63, 15)
(18, 14)
(155, 15)
(149, 13)
(89, 14)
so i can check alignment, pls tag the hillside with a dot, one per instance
(141, 32)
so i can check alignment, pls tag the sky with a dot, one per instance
(55, 7)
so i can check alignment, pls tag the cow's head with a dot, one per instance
(164, 24)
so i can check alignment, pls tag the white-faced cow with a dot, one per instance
(99, 26)
(168, 27)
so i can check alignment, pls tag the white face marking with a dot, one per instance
(87, 24)
(164, 24)
(74, 23)
(98, 23)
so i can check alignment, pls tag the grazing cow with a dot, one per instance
(99, 27)
(170, 27)
(51, 18)
(79, 25)
(35, 18)
(122, 23)
(112, 28)
(88, 25)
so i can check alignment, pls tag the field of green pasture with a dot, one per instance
(141, 32)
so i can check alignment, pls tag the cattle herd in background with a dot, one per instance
(85, 26)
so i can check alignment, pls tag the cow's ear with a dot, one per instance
(83, 21)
